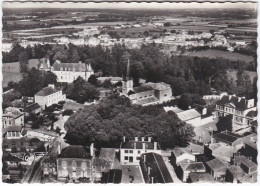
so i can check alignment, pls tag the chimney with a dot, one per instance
(143, 146)
(58, 61)
(80, 62)
(149, 139)
(59, 148)
(144, 158)
(48, 63)
(142, 138)
(155, 145)
(123, 138)
(152, 179)
(134, 145)
(229, 97)
(239, 99)
(136, 138)
(149, 170)
(92, 149)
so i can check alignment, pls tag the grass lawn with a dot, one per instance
(213, 54)
(73, 106)
(11, 76)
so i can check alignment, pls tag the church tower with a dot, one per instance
(127, 83)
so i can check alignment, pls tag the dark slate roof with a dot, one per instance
(248, 163)
(32, 107)
(216, 164)
(74, 151)
(139, 145)
(226, 136)
(47, 91)
(241, 105)
(196, 166)
(143, 88)
(14, 128)
(251, 114)
(79, 67)
(201, 177)
(113, 176)
(158, 168)
(236, 171)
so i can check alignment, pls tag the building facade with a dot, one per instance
(48, 96)
(238, 107)
(131, 151)
(12, 117)
(68, 72)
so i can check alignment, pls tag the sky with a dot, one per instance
(109, 5)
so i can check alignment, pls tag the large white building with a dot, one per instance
(68, 72)
(48, 96)
(239, 107)
(131, 151)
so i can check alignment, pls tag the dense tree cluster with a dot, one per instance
(114, 117)
(81, 91)
(33, 81)
(185, 74)
(224, 123)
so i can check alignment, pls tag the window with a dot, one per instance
(61, 68)
(138, 158)
(130, 151)
(165, 95)
(139, 152)
(126, 157)
(126, 151)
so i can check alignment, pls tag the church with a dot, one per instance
(147, 93)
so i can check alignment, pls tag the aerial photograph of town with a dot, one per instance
(129, 92)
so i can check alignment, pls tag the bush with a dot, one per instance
(61, 102)
(67, 112)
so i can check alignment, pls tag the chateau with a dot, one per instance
(68, 72)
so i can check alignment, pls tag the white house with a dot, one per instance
(68, 72)
(131, 151)
(48, 96)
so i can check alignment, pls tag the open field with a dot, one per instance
(11, 76)
(213, 54)
(11, 71)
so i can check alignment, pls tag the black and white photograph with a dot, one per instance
(120, 93)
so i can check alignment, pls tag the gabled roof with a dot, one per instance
(236, 171)
(12, 112)
(200, 177)
(251, 114)
(194, 167)
(14, 128)
(158, 168)
(32, 107)
(47, 91)
(239, 103)
(74, 151)
(139, 145)
(188, 115)
(78, 67)
(216, 164)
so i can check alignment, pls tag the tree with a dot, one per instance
(93, 80)
(224, 123)
(67, 112)
(23, 61)
(188, 100)
(114, 117)
(82, 91)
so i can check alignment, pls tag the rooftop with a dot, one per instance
(239, 103)
(139, 145)
(14, 128)
(201, 177)
(113, 176)
(32, 107)
(78, 67)
(12, 112)
(188, 114)
(226, 136)
(74, 151)
(47, 91)
(107, 154)
(146, 101)
(174, 109)
(252, 114)
(158, 168)
(236, 171)
(193, 166)
(110, 78)
(216, 164)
